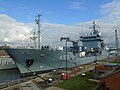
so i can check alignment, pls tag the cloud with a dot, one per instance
(110, 20)
(12, 31)
(17, 33)
(75, 5)
(111, 11)
(53, 32)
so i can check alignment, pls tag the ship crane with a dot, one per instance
(75, 47)
(75, 42)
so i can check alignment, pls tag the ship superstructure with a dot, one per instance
(93, 43)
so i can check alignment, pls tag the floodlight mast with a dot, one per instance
(116, 38)
(66, 39)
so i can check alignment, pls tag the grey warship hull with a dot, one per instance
(32, 60)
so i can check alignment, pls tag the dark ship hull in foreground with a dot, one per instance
(33, 60)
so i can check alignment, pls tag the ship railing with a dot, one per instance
(92, 39)
(5, 56)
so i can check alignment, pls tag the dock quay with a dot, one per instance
(40, 81)
(37, 82)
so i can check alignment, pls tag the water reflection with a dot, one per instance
(9, 75)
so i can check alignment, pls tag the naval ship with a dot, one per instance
(46, 58)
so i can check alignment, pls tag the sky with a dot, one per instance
(60, 18)
(65, 12)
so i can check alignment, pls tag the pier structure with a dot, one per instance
(40, 81)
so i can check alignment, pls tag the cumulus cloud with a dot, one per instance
(12, 31)
(109, 22)
(53, 32)
(17, 33)
(111, 11)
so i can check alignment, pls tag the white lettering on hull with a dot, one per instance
(6, 62)
(63, 57)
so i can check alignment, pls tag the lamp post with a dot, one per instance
(116, 38)
(66, 39)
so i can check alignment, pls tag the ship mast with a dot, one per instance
(34, 39)
(38, 23)
(95, 28)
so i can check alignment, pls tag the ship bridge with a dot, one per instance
(93, 40)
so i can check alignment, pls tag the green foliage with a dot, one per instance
(78, 83)
(118, 62)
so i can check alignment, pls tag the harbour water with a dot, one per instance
(9, 75)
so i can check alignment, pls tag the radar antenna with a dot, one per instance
(95, 28)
